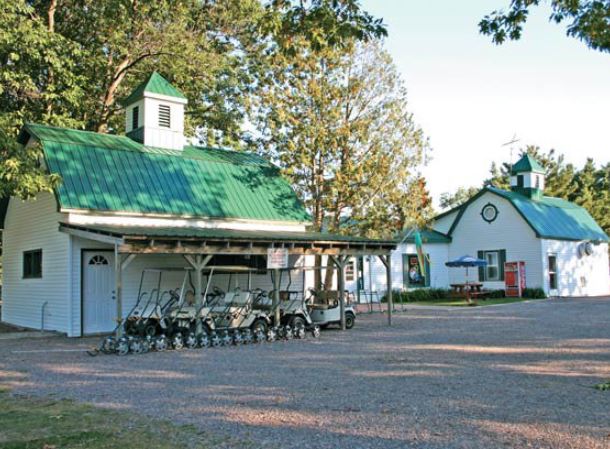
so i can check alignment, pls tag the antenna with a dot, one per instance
(511, 142)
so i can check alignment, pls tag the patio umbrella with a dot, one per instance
(466, 261)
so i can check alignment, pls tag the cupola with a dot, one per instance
(154, 114)
(527, 177)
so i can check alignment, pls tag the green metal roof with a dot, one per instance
(427, 236)
(550, 218)
(139, 232)
(527, 164)
(154, 84)
(104, 172)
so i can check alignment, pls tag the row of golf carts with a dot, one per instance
(175, 319)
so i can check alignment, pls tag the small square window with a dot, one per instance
(32, 264)
(164, 116)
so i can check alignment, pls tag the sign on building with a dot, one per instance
(277, 258)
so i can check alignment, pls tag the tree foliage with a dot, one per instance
(450, 200)
(588, 20)
(337, 123)
(69, 62)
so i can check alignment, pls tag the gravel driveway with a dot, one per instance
(514, 376)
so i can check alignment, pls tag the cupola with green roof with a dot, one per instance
(527, 177)
(154, 114)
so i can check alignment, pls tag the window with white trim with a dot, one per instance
(492, 270)
(553, 271)
(32, 264)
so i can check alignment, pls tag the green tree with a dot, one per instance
(69, 62)
(337, 123)
(587, 21)
(450, 200)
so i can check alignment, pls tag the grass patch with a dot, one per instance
(34, 423)
(464, 303)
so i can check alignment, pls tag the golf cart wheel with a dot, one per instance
(122, 347)
(350, 320)
(246, 336)
(204, 340)
(226, 339)
(259, 325)
(135, 346)
(315, 331)
(237, 338)
(297, 324)
(271, 335)
(108, 345)
(161, 343)
(177, 341)
(288, 335)
(215, 340)
(146, 344)
(150, 330)
(191, 341)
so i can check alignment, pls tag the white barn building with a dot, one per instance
(564, 250)
(73, 259)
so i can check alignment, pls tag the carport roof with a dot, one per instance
(145, 239)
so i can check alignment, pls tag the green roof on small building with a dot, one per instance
(110, 173)
(154, 84)
(427, 236)
(549, 217)
(527, 164)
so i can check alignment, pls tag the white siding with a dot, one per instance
(169, 280)
(509, 231)
(444, 223)
(34, 225)
(577, 276)
(374, 271)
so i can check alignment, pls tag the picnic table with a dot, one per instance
(467, 287)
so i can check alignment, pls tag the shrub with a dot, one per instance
(496, 294)
(417, 295)
(533, 293)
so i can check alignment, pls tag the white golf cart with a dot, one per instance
(324, 309)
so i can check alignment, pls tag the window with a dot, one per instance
(98, 260)
(32, 264)
(552, 272)
(494, 270)
(135, 118)
(520, 181)
(164, 116)
(537, 181)
(492, 273)
(349, 271)
(411, 271)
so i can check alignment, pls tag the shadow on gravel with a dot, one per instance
(513, 376)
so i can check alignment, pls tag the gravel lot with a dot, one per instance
(514, 376)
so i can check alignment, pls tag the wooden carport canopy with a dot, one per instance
(198, 245)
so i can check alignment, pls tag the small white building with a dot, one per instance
(565, 251)
(73, 260)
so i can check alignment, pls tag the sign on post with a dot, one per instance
(277, 258)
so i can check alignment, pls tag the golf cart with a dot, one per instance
(324, 309)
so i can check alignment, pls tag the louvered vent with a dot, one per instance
(164, 116)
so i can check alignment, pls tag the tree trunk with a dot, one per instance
(110, 95)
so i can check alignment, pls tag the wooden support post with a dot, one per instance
(118, 293)
(340, 263)
(387, 261)
(276, 296)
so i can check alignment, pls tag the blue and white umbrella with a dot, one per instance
(466, 261)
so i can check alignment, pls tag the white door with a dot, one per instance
(99, 305)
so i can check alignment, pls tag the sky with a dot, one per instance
(471, 96)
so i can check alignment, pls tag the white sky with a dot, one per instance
(471, 96)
